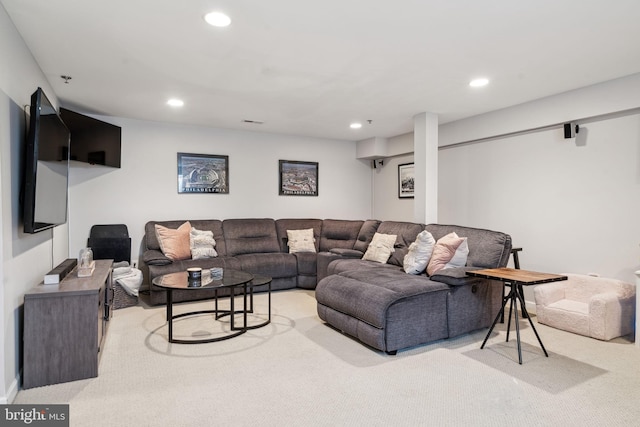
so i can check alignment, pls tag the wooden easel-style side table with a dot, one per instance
(515, 279)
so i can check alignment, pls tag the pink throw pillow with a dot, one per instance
(444, 250)
(175, 243)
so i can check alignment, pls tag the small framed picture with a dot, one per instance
(203, 173)
(298, 178)
(406, 178)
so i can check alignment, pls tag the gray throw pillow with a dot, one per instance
(202, 244)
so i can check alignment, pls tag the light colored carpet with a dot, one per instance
(297, 371)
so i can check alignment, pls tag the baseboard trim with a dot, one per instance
(12, 392)
(531, 306)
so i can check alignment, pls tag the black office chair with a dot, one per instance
(110, 241)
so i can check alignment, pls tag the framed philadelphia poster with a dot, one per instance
(203, 173)
(298, 178)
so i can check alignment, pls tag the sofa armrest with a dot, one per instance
(604, 302)
(548, 293)
(609, 316)
(456, 276)
(154, 257)
(347, 253)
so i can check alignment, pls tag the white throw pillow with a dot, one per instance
(416, 260)
(460, 257)
(380, 248)
(202, 244)
(301, 241)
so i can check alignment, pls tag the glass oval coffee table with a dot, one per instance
(231, 279)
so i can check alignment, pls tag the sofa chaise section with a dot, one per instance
(383, 309)
(456, 303)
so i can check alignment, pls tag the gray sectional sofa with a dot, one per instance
(377, 303)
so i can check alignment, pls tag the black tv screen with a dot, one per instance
(92, 141)
(46, 167)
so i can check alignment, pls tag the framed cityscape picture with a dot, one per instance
(203, 173)
(298, 178)
(406, 178)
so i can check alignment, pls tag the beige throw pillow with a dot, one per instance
(301, 241)
(380, 248)
(174, 242)
(443, 252)
(416, 260)
(202, 244)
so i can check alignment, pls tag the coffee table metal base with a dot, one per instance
(237, 331)
(257, 281)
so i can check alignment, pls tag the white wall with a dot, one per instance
(145, 187)
(387, 206)
(613, 96)
(570, 204)
(25, 259)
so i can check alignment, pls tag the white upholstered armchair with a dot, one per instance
(596, 307)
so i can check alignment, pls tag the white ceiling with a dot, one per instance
(312, 67)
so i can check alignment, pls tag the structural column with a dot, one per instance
(425, 148)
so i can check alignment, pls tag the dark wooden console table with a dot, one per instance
(515, 279)
(64, 327)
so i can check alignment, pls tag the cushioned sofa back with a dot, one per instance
(248, 236)
(365, 235)
(487, 249)
(338, 233)
(284, 224)
(213, 225)
(406, 233)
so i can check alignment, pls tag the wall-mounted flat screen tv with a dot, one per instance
(46, 167)
(92, 141)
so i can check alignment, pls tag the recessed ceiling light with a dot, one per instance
(355, 125)
(175, 102)
(217, 19)
(479, 82)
